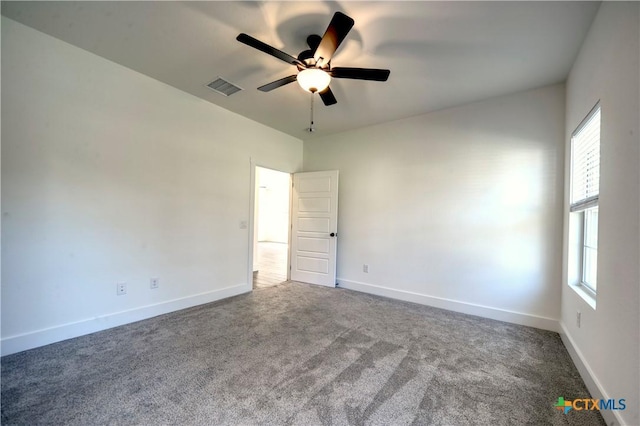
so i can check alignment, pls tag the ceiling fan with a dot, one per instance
(314, 65)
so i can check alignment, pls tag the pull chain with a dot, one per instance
(311, 129)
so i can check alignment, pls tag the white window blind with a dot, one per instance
(585, 162)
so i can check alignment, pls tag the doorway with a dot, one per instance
(272, 223)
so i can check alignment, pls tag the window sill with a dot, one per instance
(586, 295)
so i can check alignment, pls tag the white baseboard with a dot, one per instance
(612, 418)
(22, 342)
(454, 305)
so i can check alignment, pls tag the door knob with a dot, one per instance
(333, 234)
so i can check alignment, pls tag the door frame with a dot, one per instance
(252, 219)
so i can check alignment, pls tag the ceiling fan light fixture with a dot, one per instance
(313, 80)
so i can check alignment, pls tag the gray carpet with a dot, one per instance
(301, 355)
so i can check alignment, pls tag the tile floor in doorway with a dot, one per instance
(272, 265)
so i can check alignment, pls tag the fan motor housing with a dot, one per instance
(306, 57)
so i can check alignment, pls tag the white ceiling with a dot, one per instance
(440, 54)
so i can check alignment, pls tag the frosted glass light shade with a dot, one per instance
(313, 80)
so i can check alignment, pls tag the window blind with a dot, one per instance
(585, 162)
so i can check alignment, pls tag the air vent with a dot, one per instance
(223, 87)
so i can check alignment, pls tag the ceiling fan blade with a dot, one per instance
(278, 83)
(360, 73)
(337, 30)
(257, 44)
(327, 97)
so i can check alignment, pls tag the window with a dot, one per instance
(585, 190)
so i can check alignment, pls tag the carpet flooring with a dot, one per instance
(297, 354)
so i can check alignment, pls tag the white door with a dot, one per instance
(314, 227)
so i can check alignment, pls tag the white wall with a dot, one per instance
(110, 176)
(460, 208)
(607, 345)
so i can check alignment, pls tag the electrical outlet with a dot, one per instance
(365, 268)
(121, 289)
(578, 318)
(154, 283)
